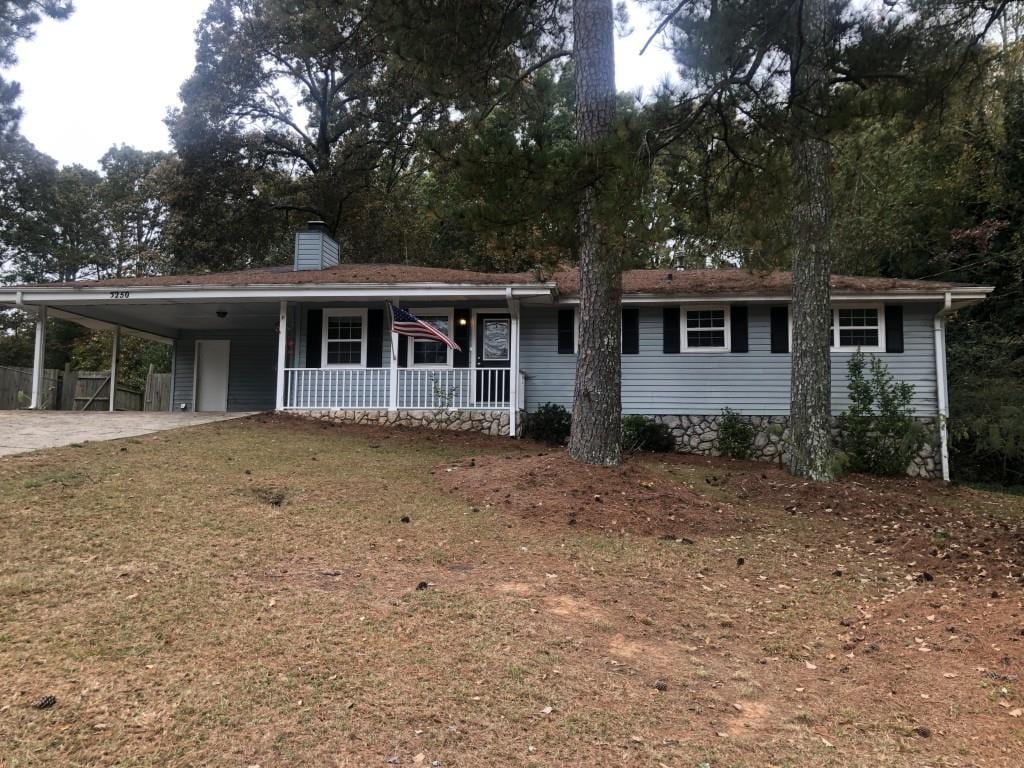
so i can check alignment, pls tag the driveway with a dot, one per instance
(24, 431)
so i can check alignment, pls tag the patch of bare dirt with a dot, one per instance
(550, 488)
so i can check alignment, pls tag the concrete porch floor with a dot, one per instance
(24, 431)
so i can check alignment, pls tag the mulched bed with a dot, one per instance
(552, 489)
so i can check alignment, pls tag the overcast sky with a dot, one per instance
(109, 73)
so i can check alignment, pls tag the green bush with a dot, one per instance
(642, 434)
(550, 423)
(735, 435)
(878, 433)
(987, 429)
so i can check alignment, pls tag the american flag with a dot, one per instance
(405, 323)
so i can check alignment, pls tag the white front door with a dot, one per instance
(212, 375)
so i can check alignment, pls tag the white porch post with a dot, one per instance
(39, 359)
(393, 376)
(282, 352)
(113, 367)
(513, 384)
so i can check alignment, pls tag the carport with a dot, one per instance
(187, 318)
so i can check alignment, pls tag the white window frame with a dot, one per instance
(879, 309)
(684, 345)
(411, 344)
(343, 312)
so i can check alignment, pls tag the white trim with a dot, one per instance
(965, 296)
(879, 347)
(474, 325)
(342, 312)
(38, 359)
(393, 351)
(282, 355)
(142, 294)
(942, 384)
(684, 346)
(115, 344)
(420, 313)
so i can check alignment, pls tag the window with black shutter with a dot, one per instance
(630, 331)
(566, 331)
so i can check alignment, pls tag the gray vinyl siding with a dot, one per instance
(699, 383)
(315, 250)
(252, 375)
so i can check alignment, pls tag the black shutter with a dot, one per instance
(374, 338)
(738, 328)
(630, 331)
(460, 359)
(780, 329)
(566, 332)
(403, 351)
(670, 330)
(314, 337)
(893, 328)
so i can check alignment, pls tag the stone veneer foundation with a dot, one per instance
(489, 422)
(699, 434)
(692, 434)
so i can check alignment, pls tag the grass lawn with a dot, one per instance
(246, 593)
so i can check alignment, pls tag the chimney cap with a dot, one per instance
(316, 226)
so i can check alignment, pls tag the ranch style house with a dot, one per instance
(314, 338)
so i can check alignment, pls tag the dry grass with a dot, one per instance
(245, 594)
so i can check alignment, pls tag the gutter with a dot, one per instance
(941, 382)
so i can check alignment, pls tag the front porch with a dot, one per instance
(463, 389)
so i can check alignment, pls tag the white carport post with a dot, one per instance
(393, 375)
(513, 383)
(113, 366)
(282, 352)
(39, 360)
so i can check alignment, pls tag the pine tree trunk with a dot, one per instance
(597, 406)
(811, 164)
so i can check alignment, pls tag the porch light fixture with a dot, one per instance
(463, 321)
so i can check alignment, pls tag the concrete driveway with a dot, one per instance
(24, 431)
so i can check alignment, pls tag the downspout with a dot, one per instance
(941, 384)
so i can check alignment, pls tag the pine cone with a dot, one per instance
(45, 703)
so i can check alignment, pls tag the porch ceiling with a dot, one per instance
(169, 319)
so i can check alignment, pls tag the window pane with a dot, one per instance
(496, 340)
(344, 353)
(705, 338)
(344, 328)
(431, 352)
(705, 318)
(858, 337)
(858, 318)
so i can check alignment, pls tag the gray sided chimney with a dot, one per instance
(314, 248)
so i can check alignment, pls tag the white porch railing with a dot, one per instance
(418, 388)
(347, 388)
(456, 388)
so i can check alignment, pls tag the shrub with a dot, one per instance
(878, 433)
(642, 434)
(550, 423)
(735, 435)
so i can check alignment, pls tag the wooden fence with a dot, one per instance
(82, 391)
(16, 387)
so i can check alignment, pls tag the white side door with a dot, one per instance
(212, 375)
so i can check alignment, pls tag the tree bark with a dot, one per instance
(811, 453)
(597, 406)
